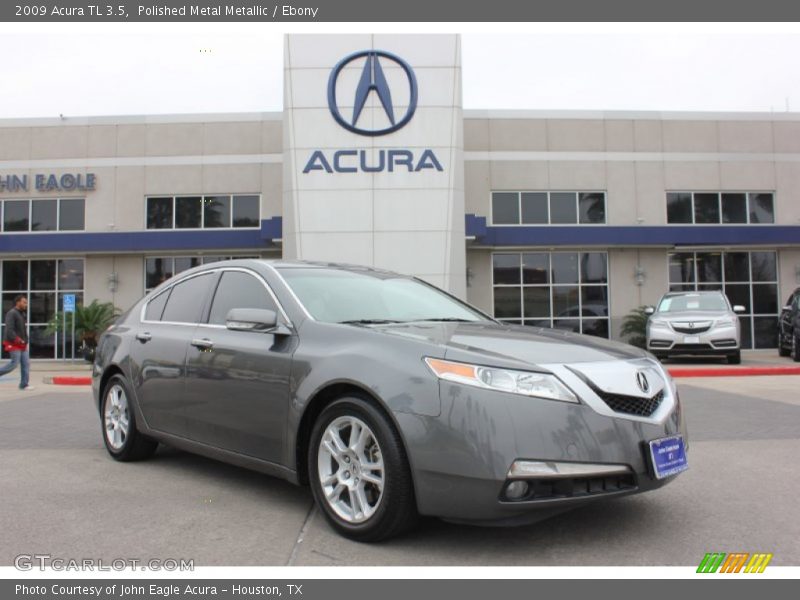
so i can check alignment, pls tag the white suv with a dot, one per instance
(694, 324)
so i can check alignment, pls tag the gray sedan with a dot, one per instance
(387, 396)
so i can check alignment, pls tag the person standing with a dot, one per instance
(15, 341)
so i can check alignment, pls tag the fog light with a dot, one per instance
(516, 490)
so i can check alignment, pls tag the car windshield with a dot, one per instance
(370, 297)
(692, 302)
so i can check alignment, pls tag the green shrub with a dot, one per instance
(634, 327)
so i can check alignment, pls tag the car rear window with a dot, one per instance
(186, 300)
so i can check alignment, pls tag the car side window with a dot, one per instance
(186, 300)
(155, 307)
(238, 290)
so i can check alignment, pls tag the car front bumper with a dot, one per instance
(717, 340)
(464, 459)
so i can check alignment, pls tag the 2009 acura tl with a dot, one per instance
(388, 396)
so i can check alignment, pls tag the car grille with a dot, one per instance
(691, 329)
(575, 487)
(691, 347)
(631, 405)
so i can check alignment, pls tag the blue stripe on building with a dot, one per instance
(632, 235)
(144, 241)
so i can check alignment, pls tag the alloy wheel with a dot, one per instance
(350, 468)
(117, 417)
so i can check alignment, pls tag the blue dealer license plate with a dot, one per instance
(668, 456)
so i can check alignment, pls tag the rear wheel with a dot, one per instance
(123, 440)
(359, 473)
(783, 349)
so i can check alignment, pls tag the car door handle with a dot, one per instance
(144, 337)
(203, 344)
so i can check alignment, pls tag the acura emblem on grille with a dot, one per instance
(641, 379)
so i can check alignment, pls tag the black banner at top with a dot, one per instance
(303, 11)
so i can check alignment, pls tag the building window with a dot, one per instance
(746, 278)
(564, 290)
(44, 282)
(203, 212)
(51, 214)
(157, 269)
(713, 208)
(548, 208)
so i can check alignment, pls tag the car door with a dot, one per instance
(238, 381)
(159, 351)
(794, 315)
(788, 312)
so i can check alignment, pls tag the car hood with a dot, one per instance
(514, 343)
(697, 315)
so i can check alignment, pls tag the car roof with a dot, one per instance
(287, 263)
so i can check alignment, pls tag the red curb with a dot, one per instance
(65, 380)
(733, 371)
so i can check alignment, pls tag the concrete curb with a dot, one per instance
(733, 371)
(67, 380)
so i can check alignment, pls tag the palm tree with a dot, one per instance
(634, 327)
(90, 321)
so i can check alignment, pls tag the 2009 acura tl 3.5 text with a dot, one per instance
(386, 395)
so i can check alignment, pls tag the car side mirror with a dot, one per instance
(251, 319)
(649, 310)
(739, 308)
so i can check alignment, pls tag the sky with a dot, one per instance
(47, 73)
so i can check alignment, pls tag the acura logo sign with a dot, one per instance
(641, 380)
(395, 106)
(372, 80)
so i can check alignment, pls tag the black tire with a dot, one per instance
(735, 359)
(783, 350)
(396, 512)
(795, 348)
(135, 445)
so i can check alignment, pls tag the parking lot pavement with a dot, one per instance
(64, 496)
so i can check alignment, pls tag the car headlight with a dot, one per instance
(524, 383)
(725, 323)
(658, 323)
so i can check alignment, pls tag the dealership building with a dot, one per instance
(552, 218)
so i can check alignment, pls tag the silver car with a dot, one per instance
(695, 324)
(388, 397)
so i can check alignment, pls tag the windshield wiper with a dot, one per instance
(369, 321)
(448, 320)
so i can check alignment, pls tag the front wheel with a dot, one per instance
(795, 348)
(359, 473)
(735, 359)
(123, 440)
